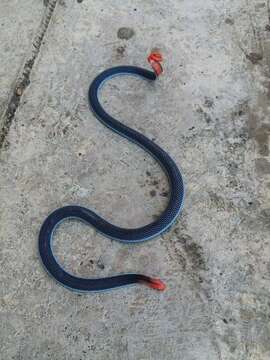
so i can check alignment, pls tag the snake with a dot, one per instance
(125, 235)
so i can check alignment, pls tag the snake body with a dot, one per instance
(133, 235)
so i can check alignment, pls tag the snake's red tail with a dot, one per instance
(155, 59)
(156, 284)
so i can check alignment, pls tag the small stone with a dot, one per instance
(19, 91)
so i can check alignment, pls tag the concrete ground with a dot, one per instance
(210, 111)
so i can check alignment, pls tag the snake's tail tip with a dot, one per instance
(155, 59)
(156, 284)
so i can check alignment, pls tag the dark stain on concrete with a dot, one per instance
(205, 115)
(125, 33)
(174, 247)
(153, 193)
(241, 110)
(208, 102)
(259, 6)
(262, 166)
(253, 123)
(155, 182)
(120, 50)
(194, 252)
(265, 217)
(164, 193)
(261, 136)
(229, 21)
(254, 57)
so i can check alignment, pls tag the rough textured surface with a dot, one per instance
(18, 26)
(23, 77)
(211, 112)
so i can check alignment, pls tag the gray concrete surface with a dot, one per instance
(18, 24)
(210, 111)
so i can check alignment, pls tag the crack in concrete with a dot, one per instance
(24, 78)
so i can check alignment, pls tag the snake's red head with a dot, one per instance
(156, 284)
